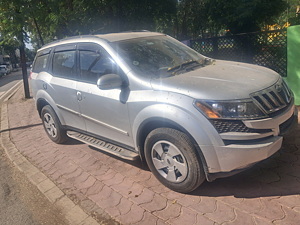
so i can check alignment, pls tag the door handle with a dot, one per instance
(79, 96)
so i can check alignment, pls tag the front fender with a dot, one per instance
(191, 121)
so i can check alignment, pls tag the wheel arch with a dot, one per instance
(157, 122)
(40, 103)
(42, 99)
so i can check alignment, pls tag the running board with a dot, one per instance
(104, 146)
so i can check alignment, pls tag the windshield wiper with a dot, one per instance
(182, 66)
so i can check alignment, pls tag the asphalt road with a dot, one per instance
(21, 203)
(9, 81)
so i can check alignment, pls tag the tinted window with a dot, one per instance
(95, 64)
(64, 64)
(40, 63)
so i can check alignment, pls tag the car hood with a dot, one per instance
(222, 80)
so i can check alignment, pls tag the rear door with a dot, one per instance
(63, 85)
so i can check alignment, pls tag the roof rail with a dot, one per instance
(134, 31)
(89, 35)
(68, 38)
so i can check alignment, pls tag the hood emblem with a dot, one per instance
(278, 87)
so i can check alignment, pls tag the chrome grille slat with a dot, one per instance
(287, 89)
(279, 97)
(286, 95)
(276, 103)
(265, 101)
(273, 98)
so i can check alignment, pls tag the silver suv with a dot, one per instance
(144, 94)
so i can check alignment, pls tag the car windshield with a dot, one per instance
(159, 56)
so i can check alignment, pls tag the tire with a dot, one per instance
(172, 158)
(52, 125)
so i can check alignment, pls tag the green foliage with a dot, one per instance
(58, 19)
(191, 18)
(47, 20)
(241, 16)
(12, 26)
(291, 13)
(202, 18)
(9, 46)
(12, 21)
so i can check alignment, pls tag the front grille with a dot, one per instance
(274, 98)
(223, 126)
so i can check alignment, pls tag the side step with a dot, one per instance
(104, 146)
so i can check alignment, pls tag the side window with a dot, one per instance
(40, 63)
(64, 64)
(95, 64)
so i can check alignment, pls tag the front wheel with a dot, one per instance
(172, 158)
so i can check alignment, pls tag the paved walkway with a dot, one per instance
(106, 187)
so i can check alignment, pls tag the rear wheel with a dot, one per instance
(172, 158)
(52, 125)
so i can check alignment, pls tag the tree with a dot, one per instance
(292, 14)
(13, 18)
(240, 16)
(193, 19)
(200, 18)
(9, 47)
(59, 19)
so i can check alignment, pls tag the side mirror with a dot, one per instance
(110, 81)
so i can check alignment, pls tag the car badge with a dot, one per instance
(278, 87)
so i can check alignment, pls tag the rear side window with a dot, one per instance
(40, 63)
(64, 64)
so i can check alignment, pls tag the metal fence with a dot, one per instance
(267, 49)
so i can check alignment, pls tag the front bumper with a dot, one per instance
(242, 150)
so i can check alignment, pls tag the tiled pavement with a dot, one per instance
(105, 186)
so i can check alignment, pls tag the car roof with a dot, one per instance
(111, 37)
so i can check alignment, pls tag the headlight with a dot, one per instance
(244, 109)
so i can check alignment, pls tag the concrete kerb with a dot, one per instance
(73, 213)
(7, 95)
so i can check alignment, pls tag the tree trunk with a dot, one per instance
(24, 70)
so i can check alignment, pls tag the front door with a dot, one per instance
(104, 112)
